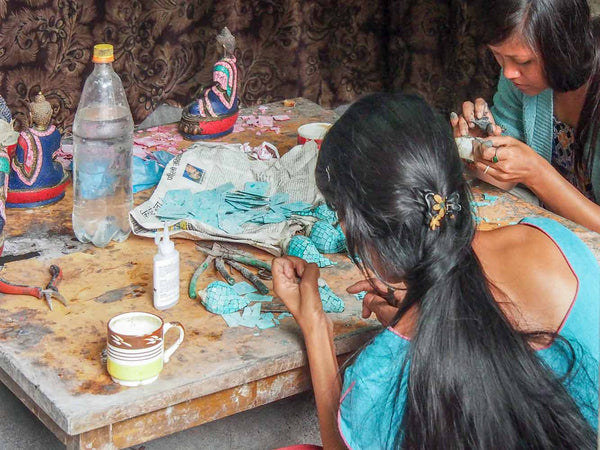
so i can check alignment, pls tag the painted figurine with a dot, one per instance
(215, 111)
(8, 142)
(35, 178)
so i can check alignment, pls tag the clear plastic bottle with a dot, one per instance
(102, 156)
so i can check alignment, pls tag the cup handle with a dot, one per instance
(169, 352)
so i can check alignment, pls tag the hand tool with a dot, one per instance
(220, 266)
(240, 256)
(50, 291)
(199, 271)
(264, 274)
(274, 306)
(262, 289)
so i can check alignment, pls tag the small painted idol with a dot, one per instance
(8, 140)
(215, 111)
(35, 178)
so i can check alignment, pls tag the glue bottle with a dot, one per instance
(166, 272)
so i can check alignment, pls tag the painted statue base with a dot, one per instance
(194, 127)
(33, 198)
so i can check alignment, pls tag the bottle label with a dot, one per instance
(166, 282)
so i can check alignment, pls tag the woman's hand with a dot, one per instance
(509, 160)
(462, 125)
(296, 282)
(375, 301)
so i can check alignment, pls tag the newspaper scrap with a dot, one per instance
(207, 166)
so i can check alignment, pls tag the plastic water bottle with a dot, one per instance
(102, 156)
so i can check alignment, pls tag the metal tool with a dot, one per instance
(218, 250)
(220, 266)
(264, 274)
(262, 289)
(50, 291)
(274, 306)
(193, 292)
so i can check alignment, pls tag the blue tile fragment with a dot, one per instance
(360, 295)
(221, 298)
(304, 248)
(244, 288)
(254, 297)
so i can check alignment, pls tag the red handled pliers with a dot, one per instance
(50, 291)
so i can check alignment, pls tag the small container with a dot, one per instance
(165, 272)
(315, 131)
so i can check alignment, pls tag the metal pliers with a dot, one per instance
(50, 291)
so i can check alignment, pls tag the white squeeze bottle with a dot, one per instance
(102, 156)
(166, 272)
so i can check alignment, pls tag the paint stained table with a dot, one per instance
(53, 360)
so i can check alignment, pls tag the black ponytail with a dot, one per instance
(588, 129)
(474, 381)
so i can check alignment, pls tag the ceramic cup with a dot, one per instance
(136, 349)
(313, 132)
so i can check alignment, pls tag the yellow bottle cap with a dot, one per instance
(103, 53)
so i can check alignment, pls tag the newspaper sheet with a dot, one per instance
(206, 166)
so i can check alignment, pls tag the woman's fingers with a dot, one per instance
(468, 112)
(282, 270)
(367, 285)
(309, 284)
(496, 171)
(373, 304)
(481, 108)
(298, 264)
(463, 126)
(484, 151)
(502, 141)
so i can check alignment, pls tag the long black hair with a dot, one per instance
(566, 37)
(474, 382)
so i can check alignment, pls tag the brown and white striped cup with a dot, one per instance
(136, 349)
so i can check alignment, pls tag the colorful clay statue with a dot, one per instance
(215, 111)
(8, 141)
(35, 178)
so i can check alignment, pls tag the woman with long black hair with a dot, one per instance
(547, 107)
(494, 340)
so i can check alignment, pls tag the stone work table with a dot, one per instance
(52, 360)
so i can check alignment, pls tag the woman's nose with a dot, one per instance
(511, 71)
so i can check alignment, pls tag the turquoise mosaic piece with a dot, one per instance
(221, 298)
(321, 212)
(304, 248)
(331, 302)
(327, 238)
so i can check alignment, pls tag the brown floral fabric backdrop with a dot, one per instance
(328, 51)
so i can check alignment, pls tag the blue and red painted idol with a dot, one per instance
(4, 171)
(215, 111)
(35, 178)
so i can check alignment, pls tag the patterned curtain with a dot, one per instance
(328, 51)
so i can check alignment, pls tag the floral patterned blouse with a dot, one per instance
(564, 148)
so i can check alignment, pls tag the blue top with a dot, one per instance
(374, 390)
(529, 119)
